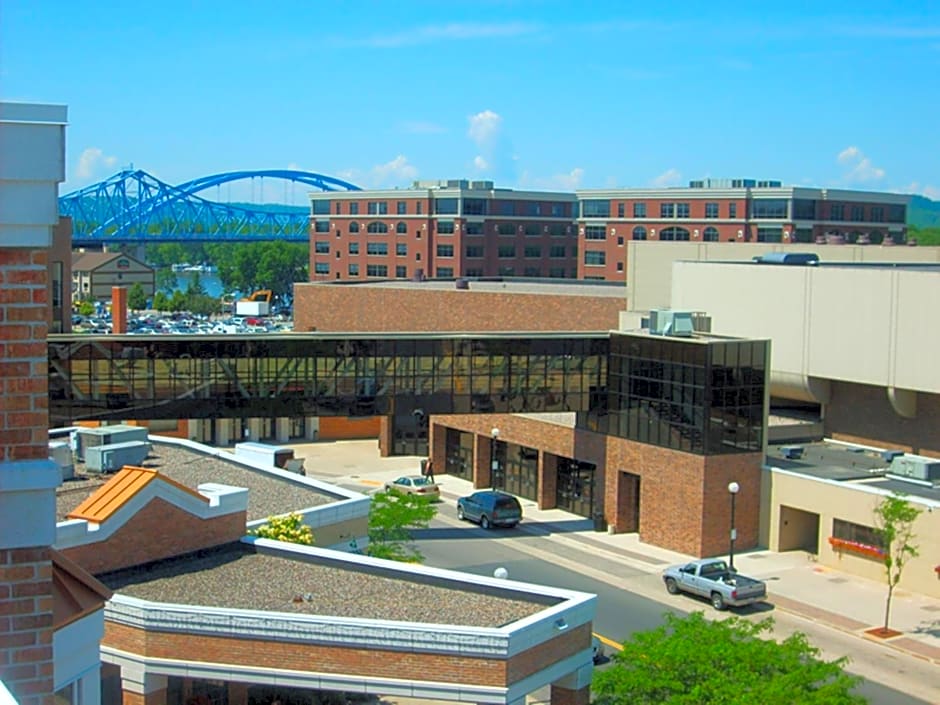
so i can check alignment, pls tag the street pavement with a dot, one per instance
(797, 586)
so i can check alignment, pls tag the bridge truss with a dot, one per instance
(134, 206)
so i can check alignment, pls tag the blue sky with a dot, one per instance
(541, 95)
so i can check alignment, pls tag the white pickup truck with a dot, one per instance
(713, 579)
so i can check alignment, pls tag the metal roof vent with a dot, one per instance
(674, 323)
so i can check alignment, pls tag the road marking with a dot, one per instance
(609, 642)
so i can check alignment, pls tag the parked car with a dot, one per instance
(713, 579)
(490, 508)
(415, 484)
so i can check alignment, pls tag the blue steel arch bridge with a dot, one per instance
(135, 207)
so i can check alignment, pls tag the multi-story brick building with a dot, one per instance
(443, 229)
(464, 228)
(730, 210)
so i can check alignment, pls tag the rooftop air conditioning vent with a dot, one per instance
(673, 323)
(915, 467)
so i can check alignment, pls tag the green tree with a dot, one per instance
(161, 302)
(289, 527)
(391, 516)
(203, 304)
(136, 298)
(166, 280)
(894, 519)
(691, 660)
(177, 301)
(86, 308)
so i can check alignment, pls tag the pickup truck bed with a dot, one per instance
(713, 579)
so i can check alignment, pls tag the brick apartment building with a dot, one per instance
(459, 228)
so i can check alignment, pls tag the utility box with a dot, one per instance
(264, 454)
(60, 453)
(106, 435)
(114, 456)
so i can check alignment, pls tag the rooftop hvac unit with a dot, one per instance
(665, 321)
(915, 467)
(114, 456)
(104, 435)
(60, 452)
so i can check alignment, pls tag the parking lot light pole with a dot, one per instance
(494, 435)
(733, 489)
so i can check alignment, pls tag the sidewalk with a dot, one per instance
(795, 583)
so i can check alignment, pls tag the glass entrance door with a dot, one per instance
(575, 487)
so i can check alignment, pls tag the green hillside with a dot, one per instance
(924, 213)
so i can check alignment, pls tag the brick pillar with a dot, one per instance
(118, 310)
(564, 696)
(482, 454)
(142, 688)
(27, 480)
(548, 480)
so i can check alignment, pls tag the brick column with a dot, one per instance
(482, 454)
(573, 689)
(143, 688)
(548, 480)
(27, 480)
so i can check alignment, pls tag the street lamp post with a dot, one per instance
(494, 436)
(733, 489)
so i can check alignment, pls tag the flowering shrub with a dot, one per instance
(862, 549)
(289, 527)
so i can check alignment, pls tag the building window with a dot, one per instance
(419, 208)
(474, 206)
(353, 269)
(595, 232)
(401, 249)
(533, 229)
(710, 234)
(445, 272)
(556, 251)
(353, 209)
(639, 210)
(353, 228)
(858, 213)
(639, 233)
(506, 251)
(321, 207)
(401, 271)
(473, 228)
(377, 227)
(377, 249)
(445, 250)
(557, 230)
(474, 272)
(354, 248)
(667, 210)
(445, 227)
(682, 210)
(836, 211)
(620, 210)
(732, 210)
(321, 226)
(376, 270)
(506, 229)
(445, 206)
(531, 272)
(595, 208)
(474, 251)
(619, 266)
(507, 271)
(857, 533)
(877, 214)
(401, 228)
(896, 214)
(619, 241)
(769, 208)
(378, 208)
(804, 209)
(321, 268)
(322, 247)
(556, 272)
(711, 210)
(772, 234)
(533, 252)
(595, 258)
(401, 208)
(674, 234)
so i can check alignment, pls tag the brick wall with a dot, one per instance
(24, 374)
(375, 309)
(26, 665)
(159, 530)
(861, 413)
(684, 501)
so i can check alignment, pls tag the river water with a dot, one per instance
(210, 282)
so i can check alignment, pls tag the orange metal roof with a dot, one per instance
(116, 492)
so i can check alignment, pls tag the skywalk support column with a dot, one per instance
(573, 689)
(32, 144)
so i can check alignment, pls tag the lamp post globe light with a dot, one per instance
(733, 489)
(494, 436)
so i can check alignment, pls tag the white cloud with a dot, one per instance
(931, 192)
(862, 168)
(480, 163)
(484, 127)
(91, 161)
(670, 177)
(397, 170)
(569, 181)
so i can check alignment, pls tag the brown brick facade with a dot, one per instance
(684, 503)
(374, 663)
(159, 530)
(860, 413)
(337, 307)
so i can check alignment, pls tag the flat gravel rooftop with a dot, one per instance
(267, 495)
(237, 577)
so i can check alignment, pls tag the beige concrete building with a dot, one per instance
(95, 273)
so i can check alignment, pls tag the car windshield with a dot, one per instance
(420, 481)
